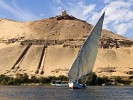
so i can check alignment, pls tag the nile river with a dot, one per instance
(59, 93)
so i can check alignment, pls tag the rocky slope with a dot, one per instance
(48, 47)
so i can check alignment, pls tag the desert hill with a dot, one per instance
(49, 46)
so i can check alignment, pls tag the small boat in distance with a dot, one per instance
(59, 83)
(86, 57)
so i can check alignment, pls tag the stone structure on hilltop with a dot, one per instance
(65, 16)
(64, 13)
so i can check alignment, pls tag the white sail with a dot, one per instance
(85, 60)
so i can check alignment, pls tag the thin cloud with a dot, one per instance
(121, 28)
(20, 14)
(41, 14)
(119, 16)
(57, 1)
(107, 1)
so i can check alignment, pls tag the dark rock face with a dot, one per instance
(109, 43)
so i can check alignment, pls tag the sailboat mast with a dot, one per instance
(78, 69)
(79, 65)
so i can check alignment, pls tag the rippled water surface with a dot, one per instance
(59, 93)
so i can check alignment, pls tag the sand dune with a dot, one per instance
(57, 57)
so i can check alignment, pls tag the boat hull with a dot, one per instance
(75, 85)
(60, 85)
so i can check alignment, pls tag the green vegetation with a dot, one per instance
(22, 79)
(119, 81)
(93, 80)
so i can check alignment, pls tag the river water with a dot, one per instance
(63, 93)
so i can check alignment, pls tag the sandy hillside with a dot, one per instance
(62, 37)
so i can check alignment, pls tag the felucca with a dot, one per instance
(84, 62)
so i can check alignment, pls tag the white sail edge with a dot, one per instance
(73, 72)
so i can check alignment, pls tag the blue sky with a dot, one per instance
(118, 19)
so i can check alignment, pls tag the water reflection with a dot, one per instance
(59, 93)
